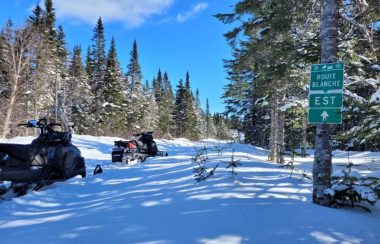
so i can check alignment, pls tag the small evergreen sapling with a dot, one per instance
(200, 170)
(290, 165)
(232, 165)
(351, 189)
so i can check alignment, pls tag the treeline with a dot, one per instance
(39, 77)
(273, 45)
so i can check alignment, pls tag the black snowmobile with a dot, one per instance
(138, 149)
(50, 157)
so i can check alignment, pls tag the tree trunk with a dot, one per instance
(273, 134)
(277, 132)
(56, 101)
(280, 131)
(304, 136)
(322, 166)
(12, 99)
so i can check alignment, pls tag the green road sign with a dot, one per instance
(326, 77)
(326, 100)
(326, 93)
(325, 115)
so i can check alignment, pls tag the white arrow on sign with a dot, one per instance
(324, 115)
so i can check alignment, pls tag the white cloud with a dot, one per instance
(182, 17)
(133, 13)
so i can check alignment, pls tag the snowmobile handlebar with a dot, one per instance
(40, 124)
(47, 132)
(146, 133)
(31, 123)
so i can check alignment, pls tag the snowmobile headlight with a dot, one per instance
(34, 167)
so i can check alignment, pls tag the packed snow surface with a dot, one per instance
(159, 201)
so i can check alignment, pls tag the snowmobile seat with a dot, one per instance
(120, 143)
(17, 151)
(126, 144)
(57, 136)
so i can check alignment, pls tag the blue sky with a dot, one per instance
(174, 35)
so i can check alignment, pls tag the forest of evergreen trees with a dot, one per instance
(39, 77)
(273, 45)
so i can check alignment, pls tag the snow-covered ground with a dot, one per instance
(159, 201)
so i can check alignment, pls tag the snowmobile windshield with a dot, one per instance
(33, 123)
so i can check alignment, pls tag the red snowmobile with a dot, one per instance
(138, 149)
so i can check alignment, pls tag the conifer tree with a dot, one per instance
(146, 87)
(50, 21)
(136, 100)
(79, 96)
(169, 96)
(361, 57)
(97, 67)
(89, 64)
(151, 113)
(264, 64)
(209, 128)
(158, 89)
(113, 112)
(166, 107)
(61, 42)
(221, 127)
(98, 56)
(191, 126)
(134, 69)
(179, 112)
(199, 113)
(61, 66)
(36, 20)
(168, 87)
(45, 79)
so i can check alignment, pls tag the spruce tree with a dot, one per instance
(113, 112)
(98, 56)
(46, 69)
(61, 67)
(168, 87)
(37, 18)
(209, 128)
(169, 96)
(136, 99)
(166, 106)
(199, 113)
(158, 88)
(264, 67)
(134, 69)
(179, 111)
(360, 56)
(191, 126)
(89, 64)
(221, 127)
(50, 21)
(98, 70)
(151, 113)
(79, 96)
(146, 87)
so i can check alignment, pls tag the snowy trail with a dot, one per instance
(159, 202)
